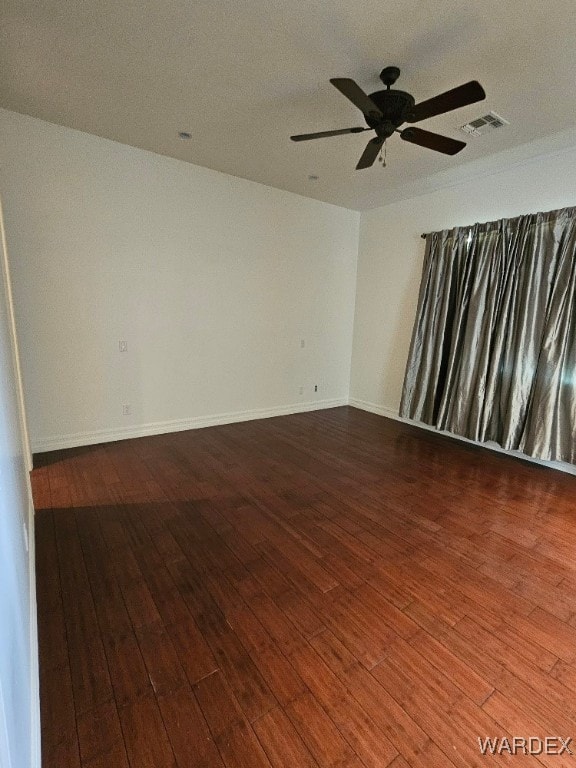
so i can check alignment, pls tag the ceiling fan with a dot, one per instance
(385, 111)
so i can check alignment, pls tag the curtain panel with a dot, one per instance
(493, 352)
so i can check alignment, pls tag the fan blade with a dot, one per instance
(445, 102)
(432, 140)
(370, 153)
(322, 134)
(357, 96)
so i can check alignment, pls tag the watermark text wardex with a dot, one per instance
(525, 745)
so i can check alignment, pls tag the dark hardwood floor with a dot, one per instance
(330, 589)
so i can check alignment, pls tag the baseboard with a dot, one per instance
(380, 410)
(35, 740)
(59, 442)
(390, 413)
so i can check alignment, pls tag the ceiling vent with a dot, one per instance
(484, 124)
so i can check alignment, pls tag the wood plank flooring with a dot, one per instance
(324, 590)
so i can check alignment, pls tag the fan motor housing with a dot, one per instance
(395, 106)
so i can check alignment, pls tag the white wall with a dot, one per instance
(19, 702)
(212, 280)
(391, 253)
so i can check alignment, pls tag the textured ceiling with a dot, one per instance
(242, 77)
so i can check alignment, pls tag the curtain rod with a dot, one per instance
(570, 210)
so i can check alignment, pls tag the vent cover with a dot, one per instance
(484, 124)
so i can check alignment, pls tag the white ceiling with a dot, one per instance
(241, 77)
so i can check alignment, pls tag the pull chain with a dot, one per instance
(382, 158)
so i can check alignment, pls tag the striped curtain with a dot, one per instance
(493, 352)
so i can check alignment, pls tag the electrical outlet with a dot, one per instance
(315, 387)
(126, 409)
(123, 346)
(301, 390)
(302, 343)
